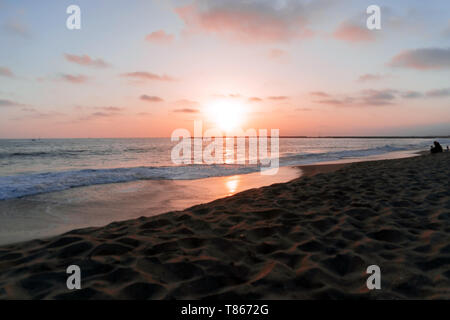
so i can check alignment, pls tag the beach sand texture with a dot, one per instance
(311, 238)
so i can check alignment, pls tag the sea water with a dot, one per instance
(29, 167)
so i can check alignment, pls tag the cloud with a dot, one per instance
(351, 32)
(9, 103)
(438, 93)
(145, 97)
(248, 21)
(5, 72)
(86, 61)
(369, 77)
(278, 98)
(97, 115)
(186, 110)
(159, 36)
(378, 97)
(111, 109)
(254, 99)
(142, 75)
(107, 112)
(337, 102)
(422, 59)
(108, 108)
(319, 94)
(411, 95)
(16, 28)
(102, 114)
(368, 97)
(76, 79)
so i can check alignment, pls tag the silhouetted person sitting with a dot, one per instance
(437, 148)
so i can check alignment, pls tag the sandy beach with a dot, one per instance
(310, 238)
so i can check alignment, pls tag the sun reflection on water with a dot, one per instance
(231, 184)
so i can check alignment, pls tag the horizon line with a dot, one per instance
(284, 137)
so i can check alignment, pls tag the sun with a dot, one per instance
(227, 115)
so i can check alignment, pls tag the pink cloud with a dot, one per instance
(99, 115)
(247, 21)
(278, 98)
(86, 61)
(110, 109)
(5, 72)
(350, 32)
(186, 110)
(77, 79)
(370, 77)
(142, 75)
(17, 28)
(319, 94)
(160, 36)
(147, 98)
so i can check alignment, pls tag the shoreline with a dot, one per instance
(51, 214)
(310, 238)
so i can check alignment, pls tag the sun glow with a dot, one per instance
(226, 115)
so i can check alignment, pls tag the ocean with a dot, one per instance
(30, 167)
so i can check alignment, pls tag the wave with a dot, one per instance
(31, 184)
(41, 154)
(337, 155)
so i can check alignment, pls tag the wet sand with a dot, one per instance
(310, 238)
(51, 214)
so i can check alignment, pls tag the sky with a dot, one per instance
(145, 68)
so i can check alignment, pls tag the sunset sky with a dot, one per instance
(145, 68)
